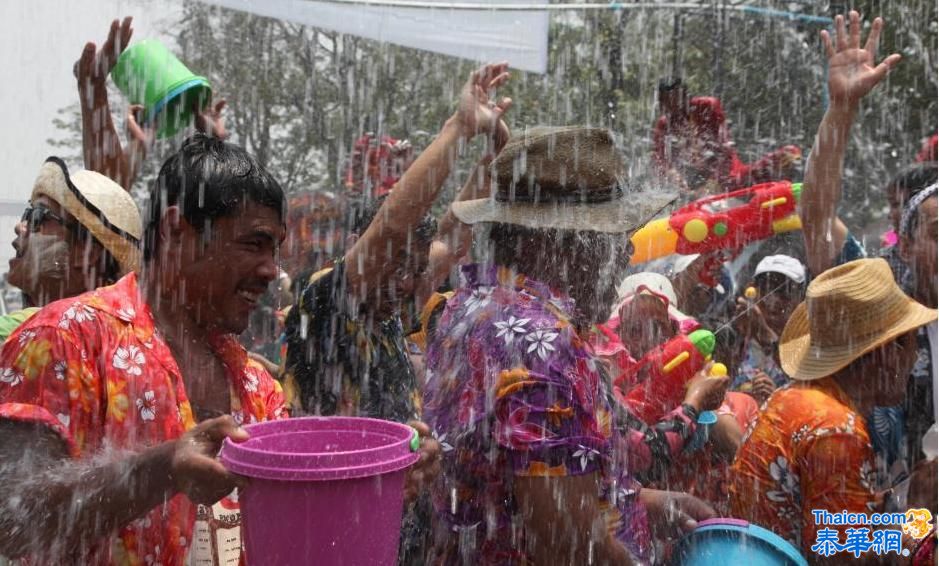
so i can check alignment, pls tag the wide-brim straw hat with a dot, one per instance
(99, 204)
(848, 311)
(568, 178)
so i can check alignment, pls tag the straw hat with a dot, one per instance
(570, 178)
(102, 206)
(848, 311)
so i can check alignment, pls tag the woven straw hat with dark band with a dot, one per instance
(102, 206)
(571, 178)
(848, 311)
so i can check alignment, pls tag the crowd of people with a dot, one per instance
(512, 333)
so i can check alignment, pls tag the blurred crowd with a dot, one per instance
(575, 405)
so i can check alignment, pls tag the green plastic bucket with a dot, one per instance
(150, 75)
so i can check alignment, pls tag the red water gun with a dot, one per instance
(712, 224)
(670, 367)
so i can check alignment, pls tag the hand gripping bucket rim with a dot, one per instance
(726, 526)
(395, 450)
(186, 85)
(163, 83)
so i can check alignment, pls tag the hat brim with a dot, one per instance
(619, 216)
(803, 362)
(55, 183)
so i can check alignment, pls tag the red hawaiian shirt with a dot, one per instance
(95, 369)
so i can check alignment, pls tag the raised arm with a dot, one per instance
(453, 238)
(376, 254)
(101, 146)
(851, 75)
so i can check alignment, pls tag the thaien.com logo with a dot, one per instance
(878, 537)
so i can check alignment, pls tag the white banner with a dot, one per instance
(519, 37)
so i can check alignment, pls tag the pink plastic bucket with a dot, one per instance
(323, 490)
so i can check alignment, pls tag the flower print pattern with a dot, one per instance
(127, 313)
(514, 390)
(11, 377)
(129, 359)
(479, 299)
(585, 455)
(509, 329)
(26, 336)
(809, 449)
(787, 483)
(147, 406)
(78, 313)
(541, 342)
(445, 446)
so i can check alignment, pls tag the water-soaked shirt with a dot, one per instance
(512, 390)
(809, 449)
(95, 370)
(343, 362)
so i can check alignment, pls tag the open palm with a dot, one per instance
(93, 66)
(477, 112)
(852, 72)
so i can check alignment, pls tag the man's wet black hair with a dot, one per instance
(914, 179)
(208, 178)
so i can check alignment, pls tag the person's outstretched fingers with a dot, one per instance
(841, 35)
(873, 38)
(854, 31)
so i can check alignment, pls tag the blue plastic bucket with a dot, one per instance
(733, 541)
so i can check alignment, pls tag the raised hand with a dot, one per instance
(210, 121)
(852, 71)
(761, 387)
(92, 69)
(749, 321)
(706, 391)
(101, 146)
(477, 113)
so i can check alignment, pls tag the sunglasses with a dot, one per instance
(35, 215)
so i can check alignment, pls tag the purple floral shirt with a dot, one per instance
(512, 390)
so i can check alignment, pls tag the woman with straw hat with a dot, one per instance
(849, 345)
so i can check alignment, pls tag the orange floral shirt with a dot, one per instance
(809, 449)
(95, 369)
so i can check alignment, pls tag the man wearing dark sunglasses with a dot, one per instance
(80, 231)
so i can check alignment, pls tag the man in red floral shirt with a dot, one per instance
(113, 404)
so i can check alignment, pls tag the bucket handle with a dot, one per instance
(415, 440)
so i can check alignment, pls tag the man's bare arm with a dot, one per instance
(53, 507)
(453, 238)
(375, 255)
(565, 523)
(851, 75)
